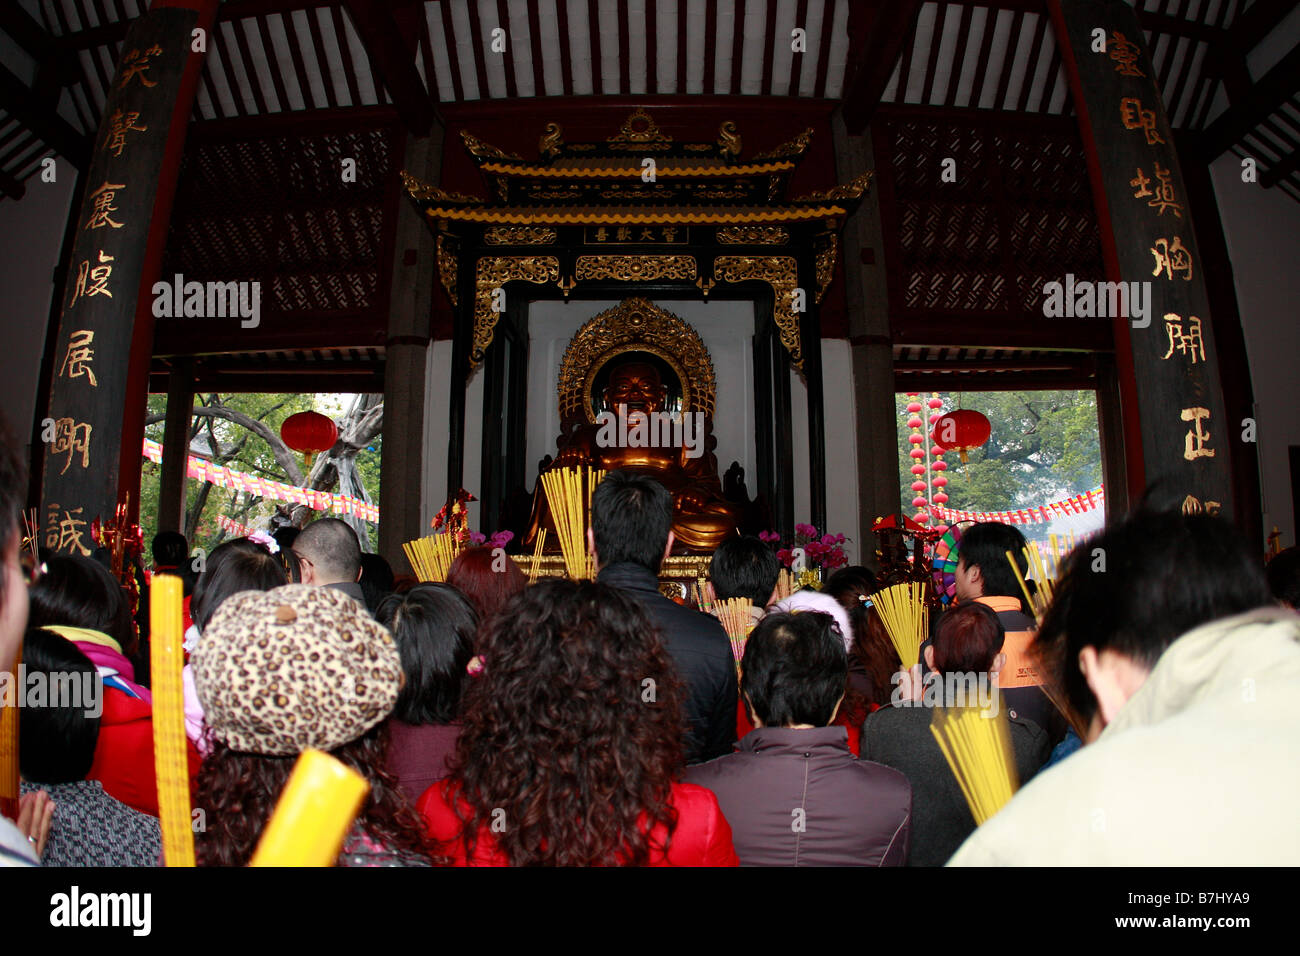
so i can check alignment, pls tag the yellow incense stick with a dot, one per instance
(568, 492)
(538, 548)
(978, 749)
(906, 616)
(313, 815)
(9, 775)
(170, 764)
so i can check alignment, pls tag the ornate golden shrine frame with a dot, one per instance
(780, 272)
(493, 272)
(636, 324)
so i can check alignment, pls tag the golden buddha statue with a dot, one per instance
(636, 433)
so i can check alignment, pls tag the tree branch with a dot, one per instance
(283, 456)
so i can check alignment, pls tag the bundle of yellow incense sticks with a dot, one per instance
(736, 621)
(432, 555)
(312, 817)
(906, 616)
(9, 776)
(171, 765)
(569, 491)
(536, 564)
(1045, 576)
(978, 749)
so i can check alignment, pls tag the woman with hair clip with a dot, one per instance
(571, 744)
(240, 564)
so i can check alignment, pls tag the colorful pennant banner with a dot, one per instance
(234, 480)
(1087, 501)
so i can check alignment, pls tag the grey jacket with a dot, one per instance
(800, 798)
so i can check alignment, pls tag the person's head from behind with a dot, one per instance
(233, 566)
(487, 578)
(13, 581)
(328, 553)
(57, 741)
(1284, 577)
(1165, 573)
(982, 566)
(806, 599)
(170, 549)
(376, 579)
(794, 671)
(434, 626)
(745, 568)
(279, 672)
(854, 588)
(968, 640)
(574, 729)
(631, 521)
(80, 592)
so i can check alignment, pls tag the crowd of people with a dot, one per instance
(1153, 711)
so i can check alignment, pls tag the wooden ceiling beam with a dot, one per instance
(887, 27)
(395, 64)
(43, 120)
(1258, 21)
(1248, 111)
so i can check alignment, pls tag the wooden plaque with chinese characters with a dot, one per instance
(1185, 435)
(106, 321)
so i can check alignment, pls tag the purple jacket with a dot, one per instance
(418, 756)
(800, 798)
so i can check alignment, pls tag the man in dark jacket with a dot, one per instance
(794, 794)
(631, 519)
(963, 660)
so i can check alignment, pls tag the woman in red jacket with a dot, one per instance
(571, 742)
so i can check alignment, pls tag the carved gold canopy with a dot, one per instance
(635, 325)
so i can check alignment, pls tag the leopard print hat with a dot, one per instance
(295, 667)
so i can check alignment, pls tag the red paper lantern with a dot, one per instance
(960, 431)
(309, 433)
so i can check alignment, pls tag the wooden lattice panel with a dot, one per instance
(1018, 215)
(278, 210)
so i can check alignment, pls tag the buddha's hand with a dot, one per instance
(694, 499)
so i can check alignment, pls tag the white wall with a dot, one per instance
(437, 407)
(1261, 227)
(31, 234)
(727, 329)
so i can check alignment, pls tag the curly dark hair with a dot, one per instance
(561, 733)
(238, 791)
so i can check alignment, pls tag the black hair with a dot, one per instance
(985, 546)
(1138, 586)
(1284, 577)
(170, 548)
(795, 669)
(631, 516)
(13, 489)
(80, 592)
(744, 567)
(434, 627)
(233, 566)
(332, 546)
(56, 742)
(376, 580)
